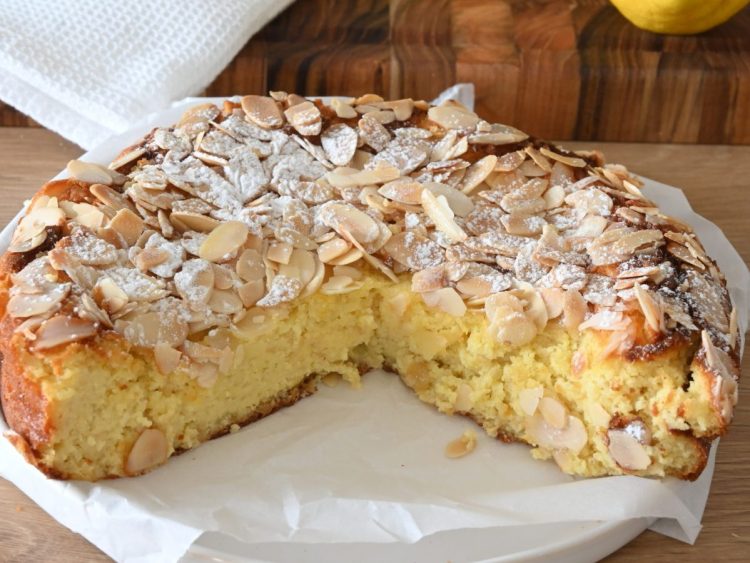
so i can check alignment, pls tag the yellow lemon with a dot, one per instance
(680, 17)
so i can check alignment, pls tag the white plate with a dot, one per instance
(569, 541)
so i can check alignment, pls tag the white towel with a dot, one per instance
(90, 68)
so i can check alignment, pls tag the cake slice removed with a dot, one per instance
(218, 268)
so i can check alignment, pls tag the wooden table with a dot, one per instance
(715, 178)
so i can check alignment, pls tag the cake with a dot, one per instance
(217, 269)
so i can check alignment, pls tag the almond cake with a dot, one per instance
(218, 268)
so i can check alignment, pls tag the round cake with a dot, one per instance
(216, 270)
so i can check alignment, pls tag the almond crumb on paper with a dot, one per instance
(462, 446)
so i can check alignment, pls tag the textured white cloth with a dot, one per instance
(90, 68)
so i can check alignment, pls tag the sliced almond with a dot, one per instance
(280, 252)
(343, 109)
(462, 446)
(194, 221)
(166, 358)
(262, 111)
(305, 118)
(149, 450)
(250, 265)
(572, 436)
(108, 295)
(451, 117)
(62, 329)
(652, 311)
(447, 300)
(223, 241)
(477, 173)
(553, 412)
(339, 142)
(22, 305)
(251, 292)
(91, 173)
(439, 211)
(332, 249)
(627, 452)
(528, 399)
(128, 225)
(573, 161)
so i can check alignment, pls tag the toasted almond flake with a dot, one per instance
(166, 358)
(339, 142)
(626, 451)
(553, 412)
(250, 266)
(349, 257)
(108, 295)
(403, 190)
(538, 159)
(343, 109)
(223, 276)
(62, 329)
(22, 305)
(459, 203)
(498, 135)
(347, 218)
(572, 436)
(280, 252)
(262, 111)
(682, 253)
(573, 161)
(91, 173)
(127, 158)
(554, 300)
(463, 401)
(451, 117)
(305, 118)
(733, 329)
(251, 292)
(475, 287)
(109, 196)
(528, 399)
(149, 258)
(429, 279)
(478, 173)
(651, 309)
(554, 197)
(225, 301)
(149, 450)
(223, 241)
(461, 446)
(332, 249)
(402, 109)
(447, 300)
(574, 310)
(439, 211)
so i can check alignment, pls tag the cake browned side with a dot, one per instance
(204, 279)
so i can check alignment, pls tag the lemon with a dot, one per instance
(679, 17)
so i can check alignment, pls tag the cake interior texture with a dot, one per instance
(105, 395)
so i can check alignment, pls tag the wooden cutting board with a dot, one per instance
(559, 69)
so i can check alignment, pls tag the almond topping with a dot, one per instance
(627, 452)
(166, 358)
(461, 446)
(439, 211)
(263, 111)
(149, 450)
(62, 329)
(223, 241)
(528, 399)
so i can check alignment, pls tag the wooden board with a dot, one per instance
(559, 69)
(715, 181)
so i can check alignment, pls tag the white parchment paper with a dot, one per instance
(358, 468)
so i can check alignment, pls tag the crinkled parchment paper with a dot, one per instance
(358, 467)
